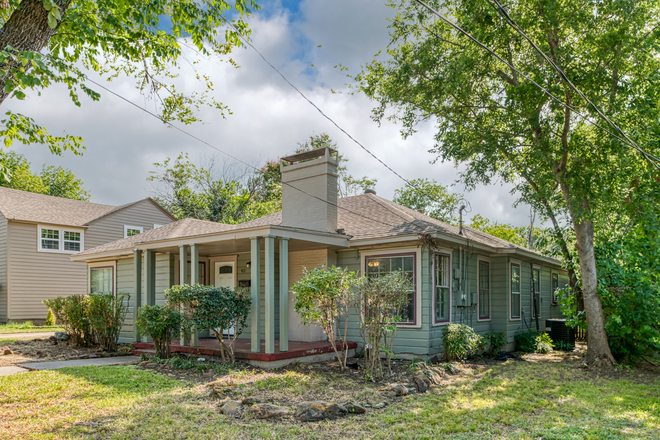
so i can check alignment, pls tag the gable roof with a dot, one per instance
(186, 227)
(42, 208)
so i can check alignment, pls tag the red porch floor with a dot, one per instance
(242, 349)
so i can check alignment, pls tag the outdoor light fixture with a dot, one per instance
(248, 264)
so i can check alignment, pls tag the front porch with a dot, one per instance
(298, 351)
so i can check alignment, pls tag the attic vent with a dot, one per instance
(370, 191)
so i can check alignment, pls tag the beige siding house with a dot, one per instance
(471, 277)
(38, 234)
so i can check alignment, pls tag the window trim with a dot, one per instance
(127, 227)
(156, 225)
(417, 270)
(446, 253)
(519, 265)
(481, 259)
(539, 293)
(553, 297)
(102, 265)
(61, 231)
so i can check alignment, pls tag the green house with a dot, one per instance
(469, 277)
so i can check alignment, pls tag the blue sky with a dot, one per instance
(269, 117)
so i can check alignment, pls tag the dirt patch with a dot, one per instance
(50, 349)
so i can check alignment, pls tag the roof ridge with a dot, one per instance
(391, 206)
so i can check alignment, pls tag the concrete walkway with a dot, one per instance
(12, 369)
(119, 360)
(26, 335)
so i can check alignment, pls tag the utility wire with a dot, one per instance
(479, 43)
(564, 77)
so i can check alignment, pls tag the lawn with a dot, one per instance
(529, 399)
(27, 327)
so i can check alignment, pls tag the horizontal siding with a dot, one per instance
(35, 276)
(124, 282)
(106, 229)
(3, 268)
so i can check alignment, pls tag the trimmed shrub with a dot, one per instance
(160, 323)
(106, 316)
(526, 341)
(459, 341)
(544, 343)
(50, 318)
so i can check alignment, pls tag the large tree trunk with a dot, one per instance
(598, 349)
(27, 30)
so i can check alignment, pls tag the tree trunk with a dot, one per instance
(598, 349)
(27, 30)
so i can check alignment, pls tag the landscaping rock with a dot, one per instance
(93, 356)
(319, 410)
(353, 407)
(421, 382)
(396, 389)
(61, 336)
(251, 401)
(232, 408)
(4, 350)
(266, 411)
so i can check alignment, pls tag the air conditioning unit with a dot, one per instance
(559, 331)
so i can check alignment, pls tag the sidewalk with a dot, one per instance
(55, 365)
(37, 335)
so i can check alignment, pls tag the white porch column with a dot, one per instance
(284, 294)
(255, 287)
(183, 279)
(194, 279)
(269, 275)
(137, 290)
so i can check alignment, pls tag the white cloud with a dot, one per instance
(269, 116)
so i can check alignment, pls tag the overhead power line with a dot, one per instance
(646, 155)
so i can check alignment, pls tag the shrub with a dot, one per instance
(324, 296)
(544, 343)
(563, 345)
(214, 308)
(106, 316)
(526, 341)
(493, 342)
(71, 312)
(50, 318)
(379, 301)
(160, 323)
(459, 341)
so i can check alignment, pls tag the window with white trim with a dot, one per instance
(484, 289)
(130, 231)
(515, 291)
(442, 288)
(101, 279)
(555, 286)
(382, 265)
(60, 240)
(536, 294)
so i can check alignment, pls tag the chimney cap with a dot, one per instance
(370, 191)
(307, 155)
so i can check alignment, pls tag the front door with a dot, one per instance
(224, 277)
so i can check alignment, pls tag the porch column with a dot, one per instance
(269, 275)
(255, 287)
(137, 291)
(284, 294)
(150, 274)
(194, 279)
(183, 279)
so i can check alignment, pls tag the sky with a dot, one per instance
(305, 40)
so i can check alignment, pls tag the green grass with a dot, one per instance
(516, 400)
(27, 327)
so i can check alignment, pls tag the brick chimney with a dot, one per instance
(315, 173)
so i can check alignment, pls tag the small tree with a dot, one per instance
(50, 318)
(215, 308)
(380, 302)
(324, 296)
(160, 323)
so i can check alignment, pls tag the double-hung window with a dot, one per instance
(130, 231)
(59, 240)
(536, 294)
(484, 290)
(515, 291)
(442, 288)
(382, 265)
(555, 286)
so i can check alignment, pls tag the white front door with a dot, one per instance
(224, 277)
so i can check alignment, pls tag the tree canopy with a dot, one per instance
(53, 181)
(431, 198)
(498, 125)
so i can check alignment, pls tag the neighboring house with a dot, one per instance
(38, 234)
(472, 277)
